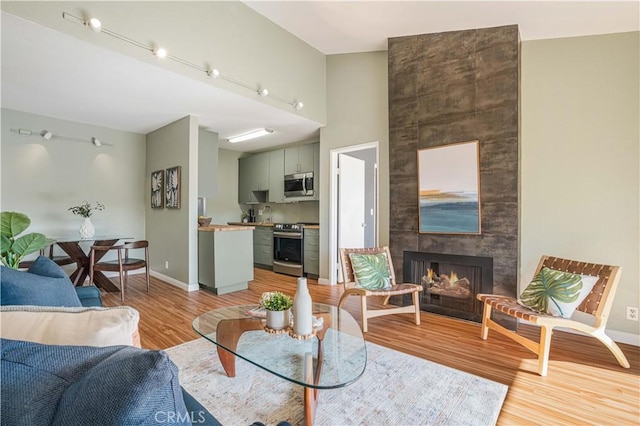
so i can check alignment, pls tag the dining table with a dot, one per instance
(72, 245)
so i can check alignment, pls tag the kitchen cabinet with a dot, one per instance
(263, 246)
(219, 268)
(276, 176)
(298, 159)
(311, 263)
(253, 175)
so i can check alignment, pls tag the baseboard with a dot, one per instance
(617, 336)
(324, 281)
(624, 337)
(174, 282)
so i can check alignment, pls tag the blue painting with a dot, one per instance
(449, 183)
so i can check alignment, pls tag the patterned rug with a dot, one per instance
(395, 389)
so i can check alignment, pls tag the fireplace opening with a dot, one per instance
(450, 282)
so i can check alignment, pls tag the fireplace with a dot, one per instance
(450, 282)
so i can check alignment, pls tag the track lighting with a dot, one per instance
(47, 135)
(160, 52)
(250, 135)
(95, 25)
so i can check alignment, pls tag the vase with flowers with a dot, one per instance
(278, 306)
(87, 230)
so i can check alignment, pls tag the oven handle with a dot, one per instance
(290, 235)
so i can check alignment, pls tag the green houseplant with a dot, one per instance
(278, 306)
(13, 247)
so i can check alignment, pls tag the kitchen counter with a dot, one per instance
(230, 227)
(312, 227)
(245, 224)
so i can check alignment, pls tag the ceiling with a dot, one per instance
(49, 73)
(335, 27)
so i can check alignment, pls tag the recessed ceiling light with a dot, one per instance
(250, 135)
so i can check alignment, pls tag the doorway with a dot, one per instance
(354, 201)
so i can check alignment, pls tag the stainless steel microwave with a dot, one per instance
(298, 185)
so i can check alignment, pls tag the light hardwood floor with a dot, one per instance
(585, 384)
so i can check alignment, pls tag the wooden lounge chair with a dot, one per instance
(351, 288)
(598, 303)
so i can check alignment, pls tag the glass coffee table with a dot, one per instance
(335, 357)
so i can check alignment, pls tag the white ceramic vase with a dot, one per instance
(87, 230)
(302, 310)
(278, 320)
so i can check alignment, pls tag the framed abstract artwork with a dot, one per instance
(157, 189)
(449, 189)
(172, 183)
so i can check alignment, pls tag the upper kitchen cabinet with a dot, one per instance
(253, 176)
(298, 159)
(276, 176)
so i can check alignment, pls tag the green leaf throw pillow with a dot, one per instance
(557, 293)
(371, 271)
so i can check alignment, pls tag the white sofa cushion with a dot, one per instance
(82, 326)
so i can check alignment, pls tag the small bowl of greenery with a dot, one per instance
(278, 306)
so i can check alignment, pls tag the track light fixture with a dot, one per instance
(95, 25)
(47, 135)
(160, 52)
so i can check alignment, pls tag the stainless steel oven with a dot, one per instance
(287, 248)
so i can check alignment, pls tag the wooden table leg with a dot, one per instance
(73, 249)
(228, 333)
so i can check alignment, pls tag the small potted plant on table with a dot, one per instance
(278, 306)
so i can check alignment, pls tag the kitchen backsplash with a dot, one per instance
(308, 211)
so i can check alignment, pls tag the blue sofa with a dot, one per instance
(44, 384)
(44, 284)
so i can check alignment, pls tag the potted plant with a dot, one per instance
(87, 230)
(13, 248)
(278, 305)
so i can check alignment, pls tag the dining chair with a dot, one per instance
(60, 260)
(597, 303)
(123, 264)
(353, 288)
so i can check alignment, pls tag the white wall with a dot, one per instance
(172, 233)
(224, 207)
(357, 112)
(44, 178)
(580, 158)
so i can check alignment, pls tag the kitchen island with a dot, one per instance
(225, 257)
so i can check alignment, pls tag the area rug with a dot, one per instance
(395, 389)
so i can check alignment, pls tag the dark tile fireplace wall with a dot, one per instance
(454, 87)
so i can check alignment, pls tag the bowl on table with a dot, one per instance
(204, 221)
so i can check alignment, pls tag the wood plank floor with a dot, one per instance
(585, 384)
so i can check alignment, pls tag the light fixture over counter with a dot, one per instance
(251, 135)
(95, 25)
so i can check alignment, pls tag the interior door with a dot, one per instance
(351, 202)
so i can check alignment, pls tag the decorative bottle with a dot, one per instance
(302, 314)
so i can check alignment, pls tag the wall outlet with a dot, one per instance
(632, 313)
(166, 264)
